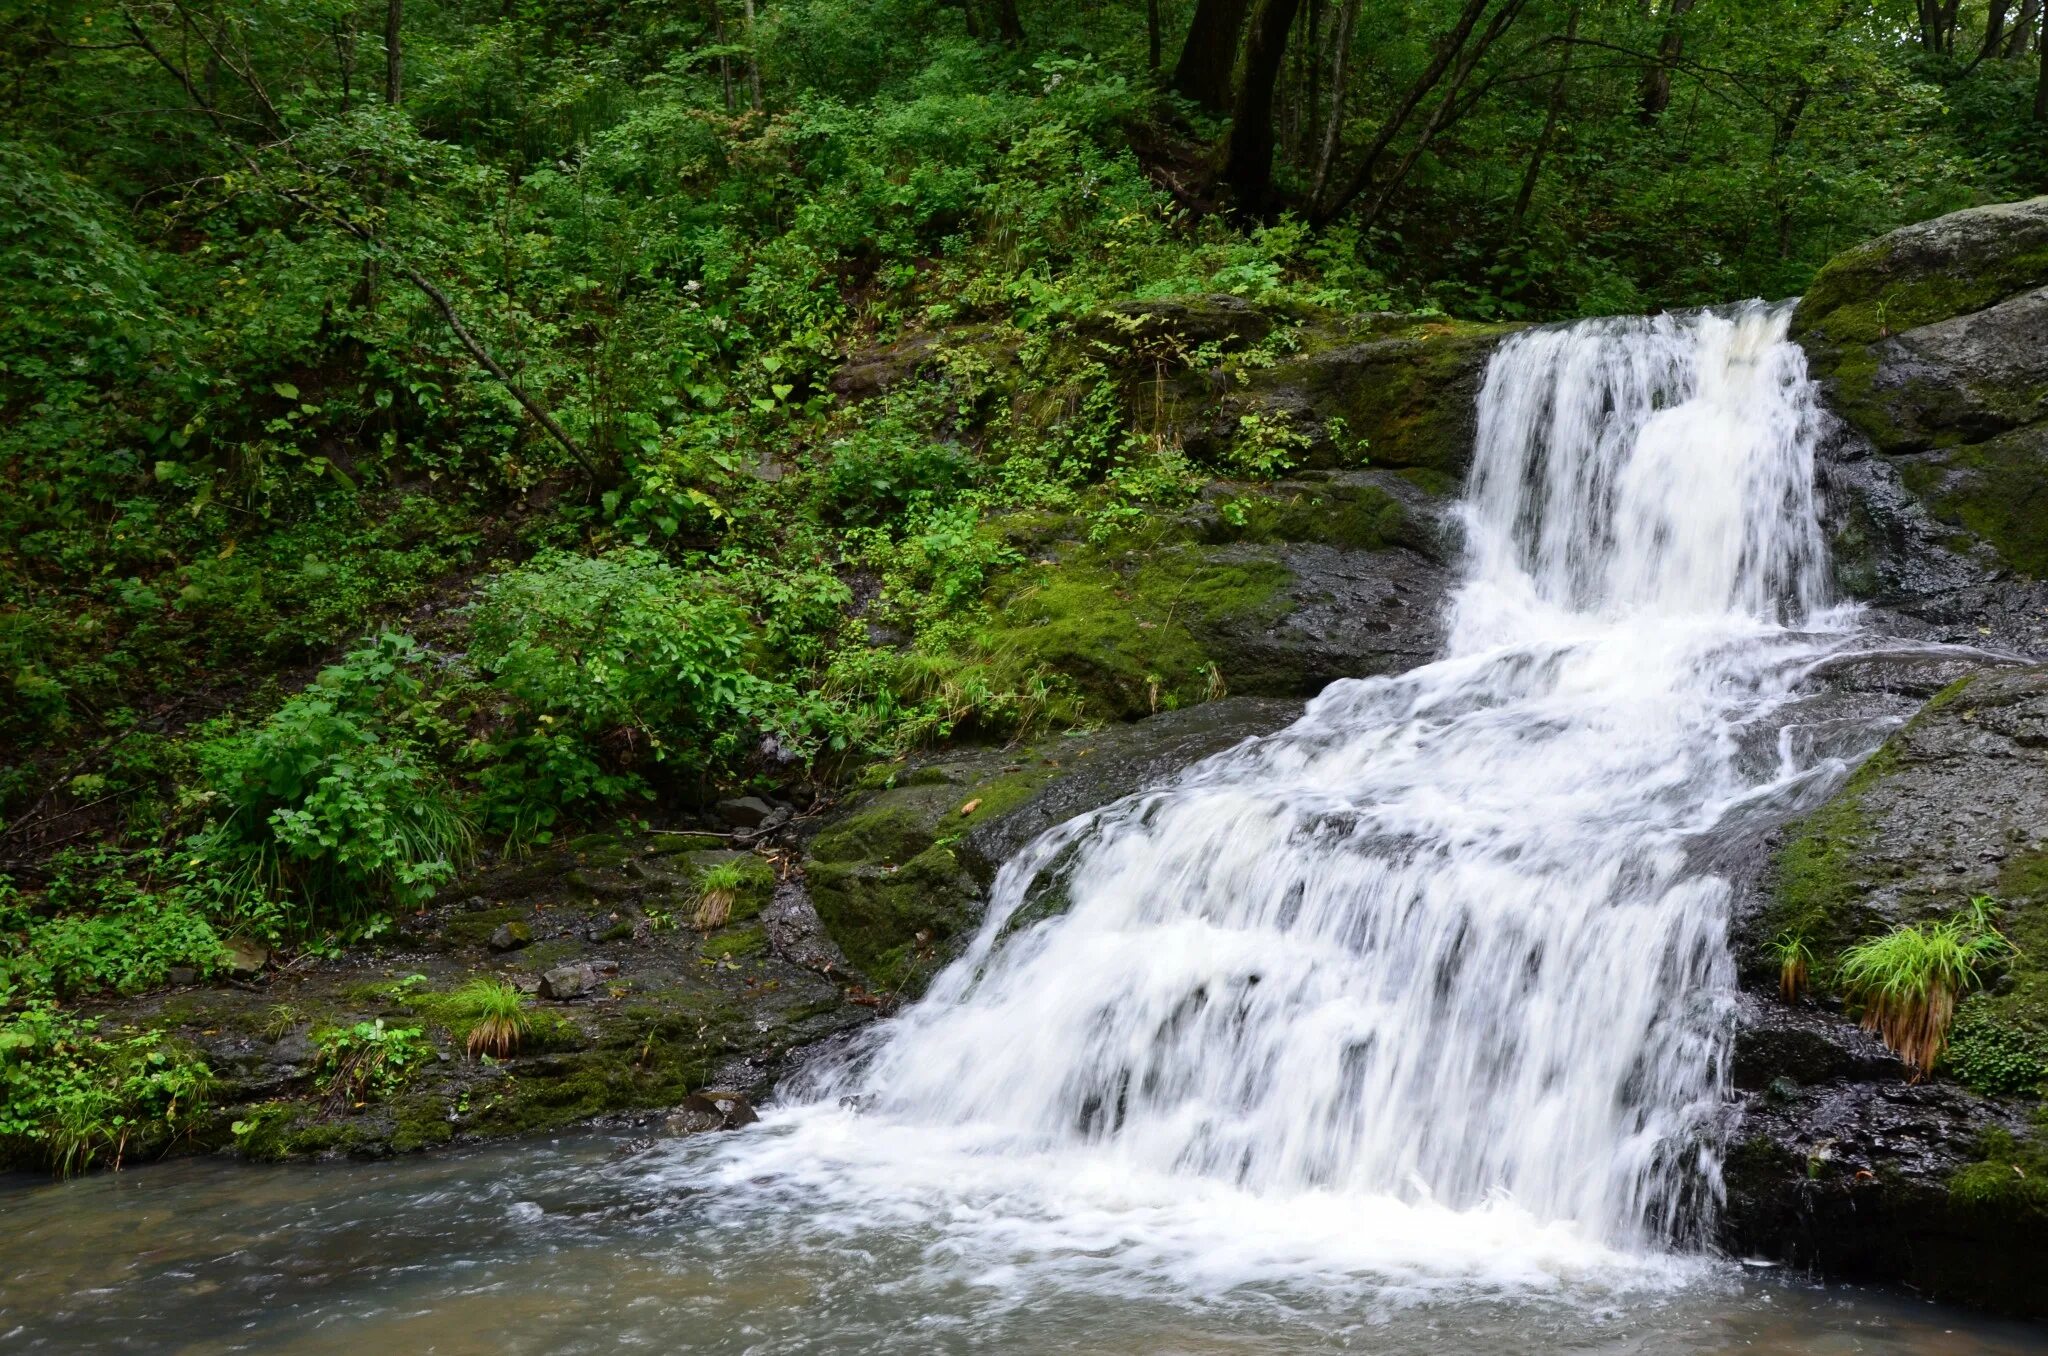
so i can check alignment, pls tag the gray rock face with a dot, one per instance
(1931, 345)
(1967, 378)
(1838, 1160)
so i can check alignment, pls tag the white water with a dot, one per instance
(1422, 990)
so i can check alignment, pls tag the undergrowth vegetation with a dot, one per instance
(402, 470)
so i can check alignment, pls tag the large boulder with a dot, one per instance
(901, 875)
(1839, 1160)
(1931, 345)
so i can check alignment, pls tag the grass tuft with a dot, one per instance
(1909, 980)
(717, 890)
(499, 1022)
(1795, 965)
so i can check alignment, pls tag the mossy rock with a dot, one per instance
(1947, 810)
(1996, 490)
(1932, 344)
(1126, 629)
(1925, 273)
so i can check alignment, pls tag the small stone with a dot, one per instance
(744, 812)
(510, 937)
(182, 974)
(703, 1111)
(566, 982)
(246, 958)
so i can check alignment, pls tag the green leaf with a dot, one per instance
(285, 389)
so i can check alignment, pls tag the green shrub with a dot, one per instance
(367, 1062)
(1995, 1055)
(617, 664)
(105, 931)
(70, 1097)
(887, 464)
(335, 804)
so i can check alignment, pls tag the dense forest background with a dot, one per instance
(418, 435)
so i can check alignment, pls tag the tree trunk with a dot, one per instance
(753, 60)
(2016, 45)
(1333, 126)
(1008, 27)
(1210, 53)
(1448, 50)
(1550, 117)
(1656, 95)
(2041, 82)
(1249, 170)
(1152, 35)
(1447, 110)
(394, 55)
(1994, 28)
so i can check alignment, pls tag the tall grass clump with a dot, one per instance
(497, 1014)
(1795, 965)
(1909, 980)
(717, 890)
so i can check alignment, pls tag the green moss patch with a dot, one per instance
(1126, 631)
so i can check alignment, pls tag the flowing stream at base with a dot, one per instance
(1404, 1029)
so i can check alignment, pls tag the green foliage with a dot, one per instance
(1993, 1054)
(618, 664)
(1909, 980)
(368, 1061)
(334, 808)
(71, 1097)
(2011, 1177)
(100, 927)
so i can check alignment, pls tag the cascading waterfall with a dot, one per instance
(1434, 960)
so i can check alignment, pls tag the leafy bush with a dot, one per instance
(70, 1096)
(617, 663)
(105, 932)
(335, 804)
(887, 464)
(1994, 1055)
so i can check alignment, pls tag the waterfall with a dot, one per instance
(1429, 979)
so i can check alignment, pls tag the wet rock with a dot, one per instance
(776, 819)
(245, 958)
(510, 937)
(705, 1111)
(896, 884)
(796, 933)
(567, 982)
(745, 812)
(1838, 1160)
(1931, 345)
